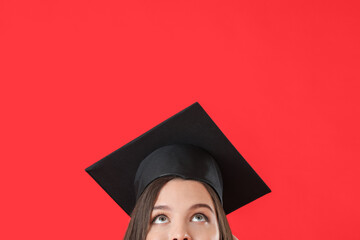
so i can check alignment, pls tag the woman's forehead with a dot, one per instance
(183, 193)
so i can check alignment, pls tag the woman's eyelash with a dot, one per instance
(202, 214)
(154, 218)
(162, 214)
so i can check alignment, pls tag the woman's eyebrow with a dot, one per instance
(200, 205)
(162, 207)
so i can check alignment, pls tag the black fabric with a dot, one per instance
(116, 172)
(185, 161)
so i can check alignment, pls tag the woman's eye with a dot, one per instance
(199, 218)
(161, 219)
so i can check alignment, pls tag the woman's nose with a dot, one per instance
(184, 237)
(180, 233)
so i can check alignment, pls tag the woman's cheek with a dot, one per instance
(198, 231)
(158, 232)
(206, 231)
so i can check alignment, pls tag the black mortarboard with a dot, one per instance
(189, 145)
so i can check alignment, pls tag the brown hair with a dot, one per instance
(140, 217)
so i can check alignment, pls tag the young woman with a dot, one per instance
(179, 180)
(174, 208)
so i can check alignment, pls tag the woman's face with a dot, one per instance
(183, 210)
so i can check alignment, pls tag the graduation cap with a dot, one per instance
(188, 145)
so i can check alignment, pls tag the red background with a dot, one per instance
(80, 79)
